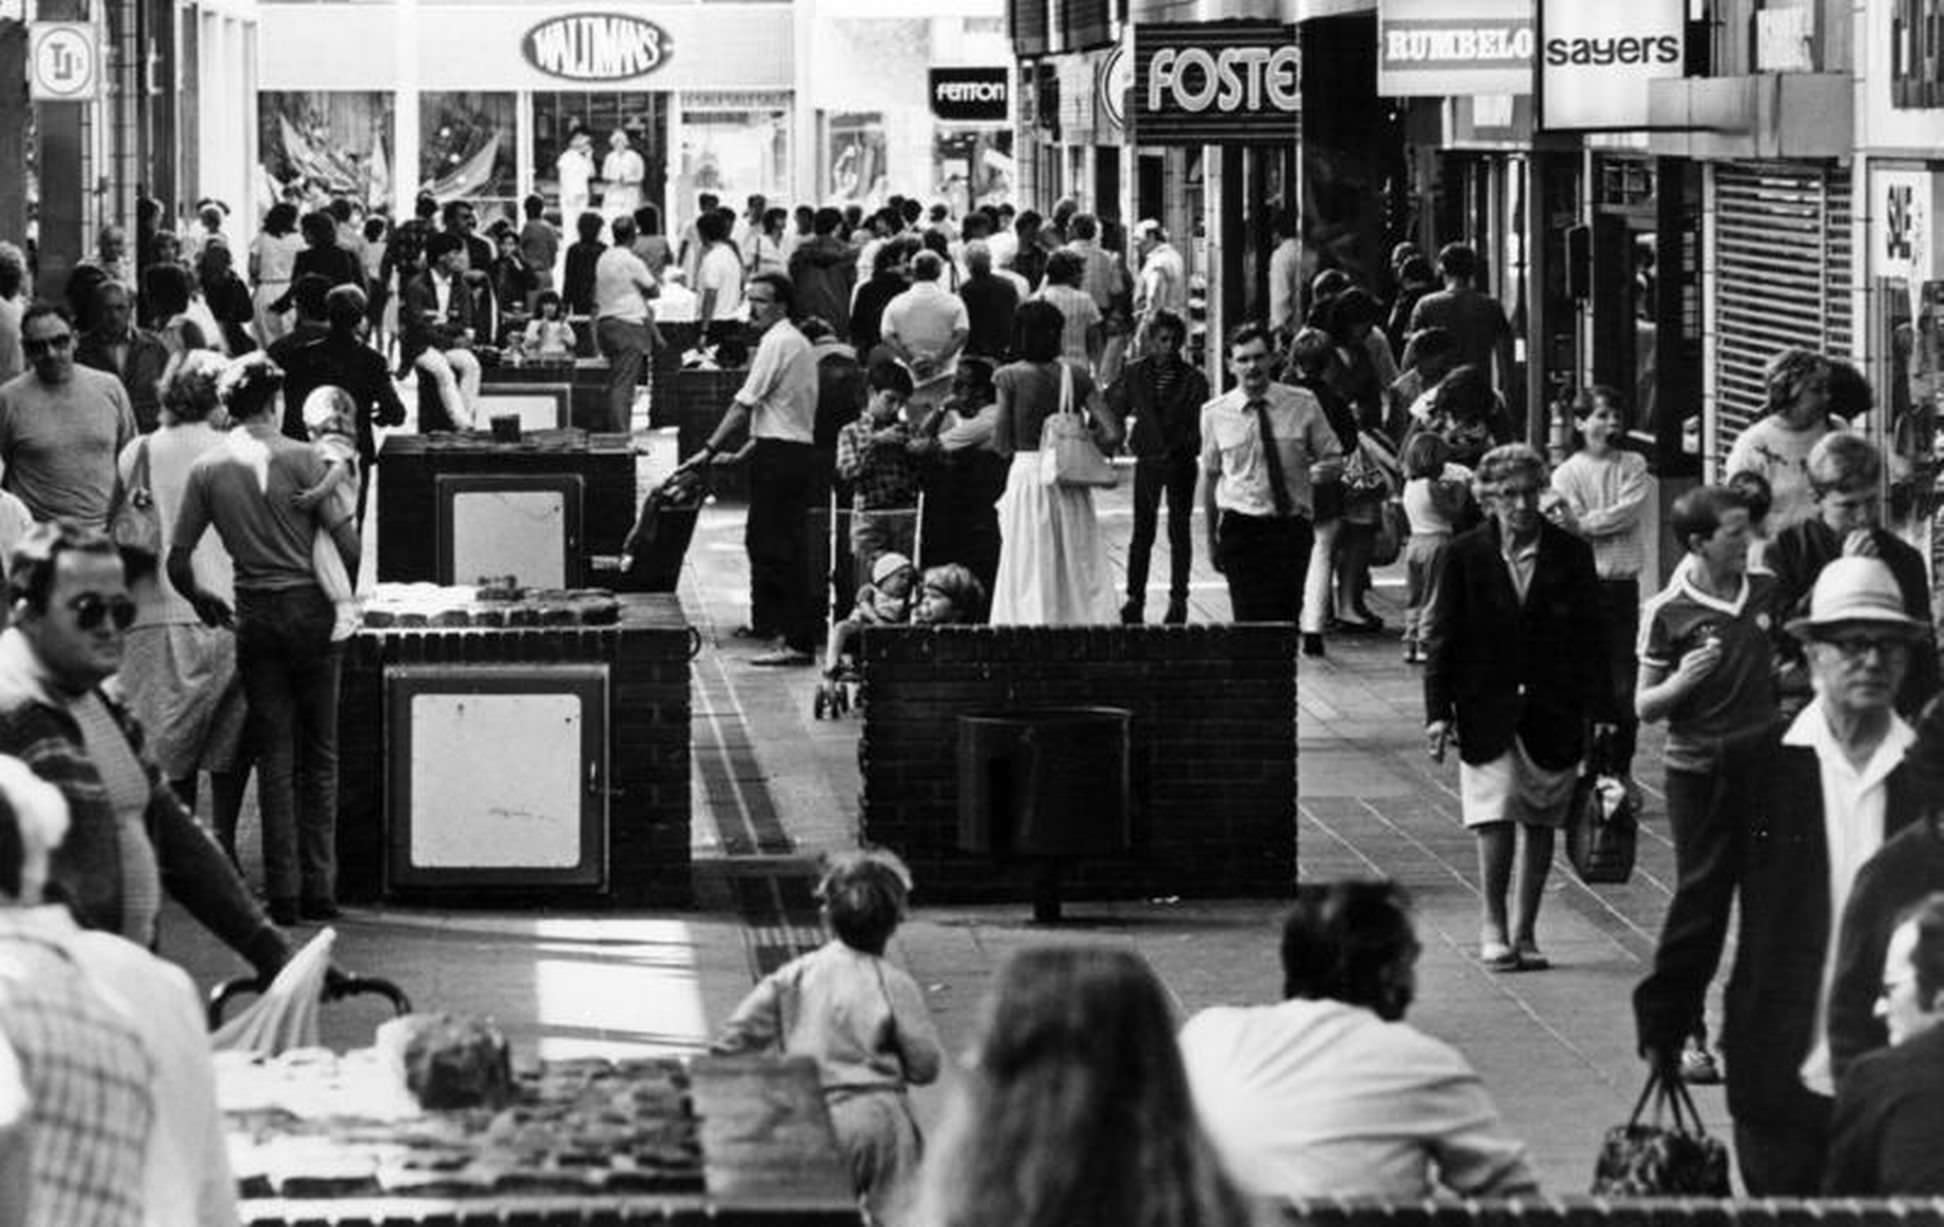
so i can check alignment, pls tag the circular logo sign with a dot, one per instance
(1116, 79)
(596, 47)
(64, 62)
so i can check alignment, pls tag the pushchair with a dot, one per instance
(837, 690)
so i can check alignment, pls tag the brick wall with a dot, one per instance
(647, 656)
(1621, 1212)
(1212, 750)
(408, 514)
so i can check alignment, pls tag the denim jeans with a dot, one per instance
(1175, 476)
(289, 668)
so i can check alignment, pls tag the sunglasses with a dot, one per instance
(89, 610)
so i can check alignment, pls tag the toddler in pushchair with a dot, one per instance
(888, 599)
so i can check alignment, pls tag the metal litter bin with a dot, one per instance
(1048, 784)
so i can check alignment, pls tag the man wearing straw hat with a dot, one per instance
(1836, 789)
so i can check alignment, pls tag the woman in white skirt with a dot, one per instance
(1052, 557)
(1514, 671)
(273, 254)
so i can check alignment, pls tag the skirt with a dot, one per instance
(270, 325)
(1513, 788)
(1052, 557)
(181, 682)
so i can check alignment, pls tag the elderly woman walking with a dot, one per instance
(1513, 672)
(180, 676)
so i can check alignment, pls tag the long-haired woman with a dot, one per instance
(1073, 1110)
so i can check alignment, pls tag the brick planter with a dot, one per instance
(647, 655)
(1212, 751)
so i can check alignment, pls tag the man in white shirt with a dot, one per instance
(1285, 278)
(1164, 276)
(778, 403)
(926, 327)
(622, 287)
(1256, 499)
(575, 169)
(1330, 1094)
(1835, 790)
(149, 1146)
(718, 278)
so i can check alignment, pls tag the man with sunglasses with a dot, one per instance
(61, 425)
(1835, 787)
(129, 838)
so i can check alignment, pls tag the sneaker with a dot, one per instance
(1699, 1066)
(1131, 612)
(1177, 611)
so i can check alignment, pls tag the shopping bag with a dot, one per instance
(1068, 454)
(1602, 825)
(286, 1015)
(1675, 1159)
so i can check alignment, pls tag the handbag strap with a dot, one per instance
(1066, 387)
(138, 478)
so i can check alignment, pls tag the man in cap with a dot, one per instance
(1836, 788)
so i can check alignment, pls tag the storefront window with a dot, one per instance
(643, 116)
(316, 145)
(1904, 422)
(854, 167)
(734, 154)
(466, 150)
(973, 167)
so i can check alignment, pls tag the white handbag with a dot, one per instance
(1068, 454)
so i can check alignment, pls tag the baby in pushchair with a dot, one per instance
(887, 600)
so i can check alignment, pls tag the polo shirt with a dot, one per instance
(618, 277)
(1232, 448)
(781, 390)
(925, 318)
(1738, 697)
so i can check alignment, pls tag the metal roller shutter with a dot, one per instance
(1782, 273)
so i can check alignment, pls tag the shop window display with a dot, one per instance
(466, 150)
(855, 164)
(643, 116)
(317, 145)
(734, 154)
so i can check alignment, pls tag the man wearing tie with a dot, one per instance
(1257, 498)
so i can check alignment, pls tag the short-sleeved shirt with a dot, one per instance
(1738, 698)
(1079, 314)
(618, 277)
(539, 245)
(722, 272)
(58, 443)
(924, 318)
(781, 390)
(244, 490)
(1232, 448)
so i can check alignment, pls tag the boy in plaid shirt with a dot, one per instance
(878, 457)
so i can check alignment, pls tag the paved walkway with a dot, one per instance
(774, 788)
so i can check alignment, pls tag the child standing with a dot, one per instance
(863, 1019)
(877, 456)
(1603, 491)
(1435, 491)
(547, 334)
(328, 413)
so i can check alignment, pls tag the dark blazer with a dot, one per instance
(422, 326)
(1903, 871)
(1798, 555)
(1157, 426)
(140, 372)
(1884, 1140)
(1499, 667)
(1779, 869)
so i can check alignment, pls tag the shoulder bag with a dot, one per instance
(1678, 1159)
(1068, 454)
(135, 525)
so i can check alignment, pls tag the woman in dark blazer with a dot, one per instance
(1513, 672)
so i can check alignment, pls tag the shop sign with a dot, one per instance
(1903, 244)
(1214, 83)
(596, 47)
(971, 95)
(1596, 60)
(64, 64)
(1115, 81)
(1437, 48)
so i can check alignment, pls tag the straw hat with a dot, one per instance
(1854, 590)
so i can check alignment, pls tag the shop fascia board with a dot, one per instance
(1761, 115)
(1286, 12)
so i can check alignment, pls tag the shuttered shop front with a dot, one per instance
(1782, 276)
